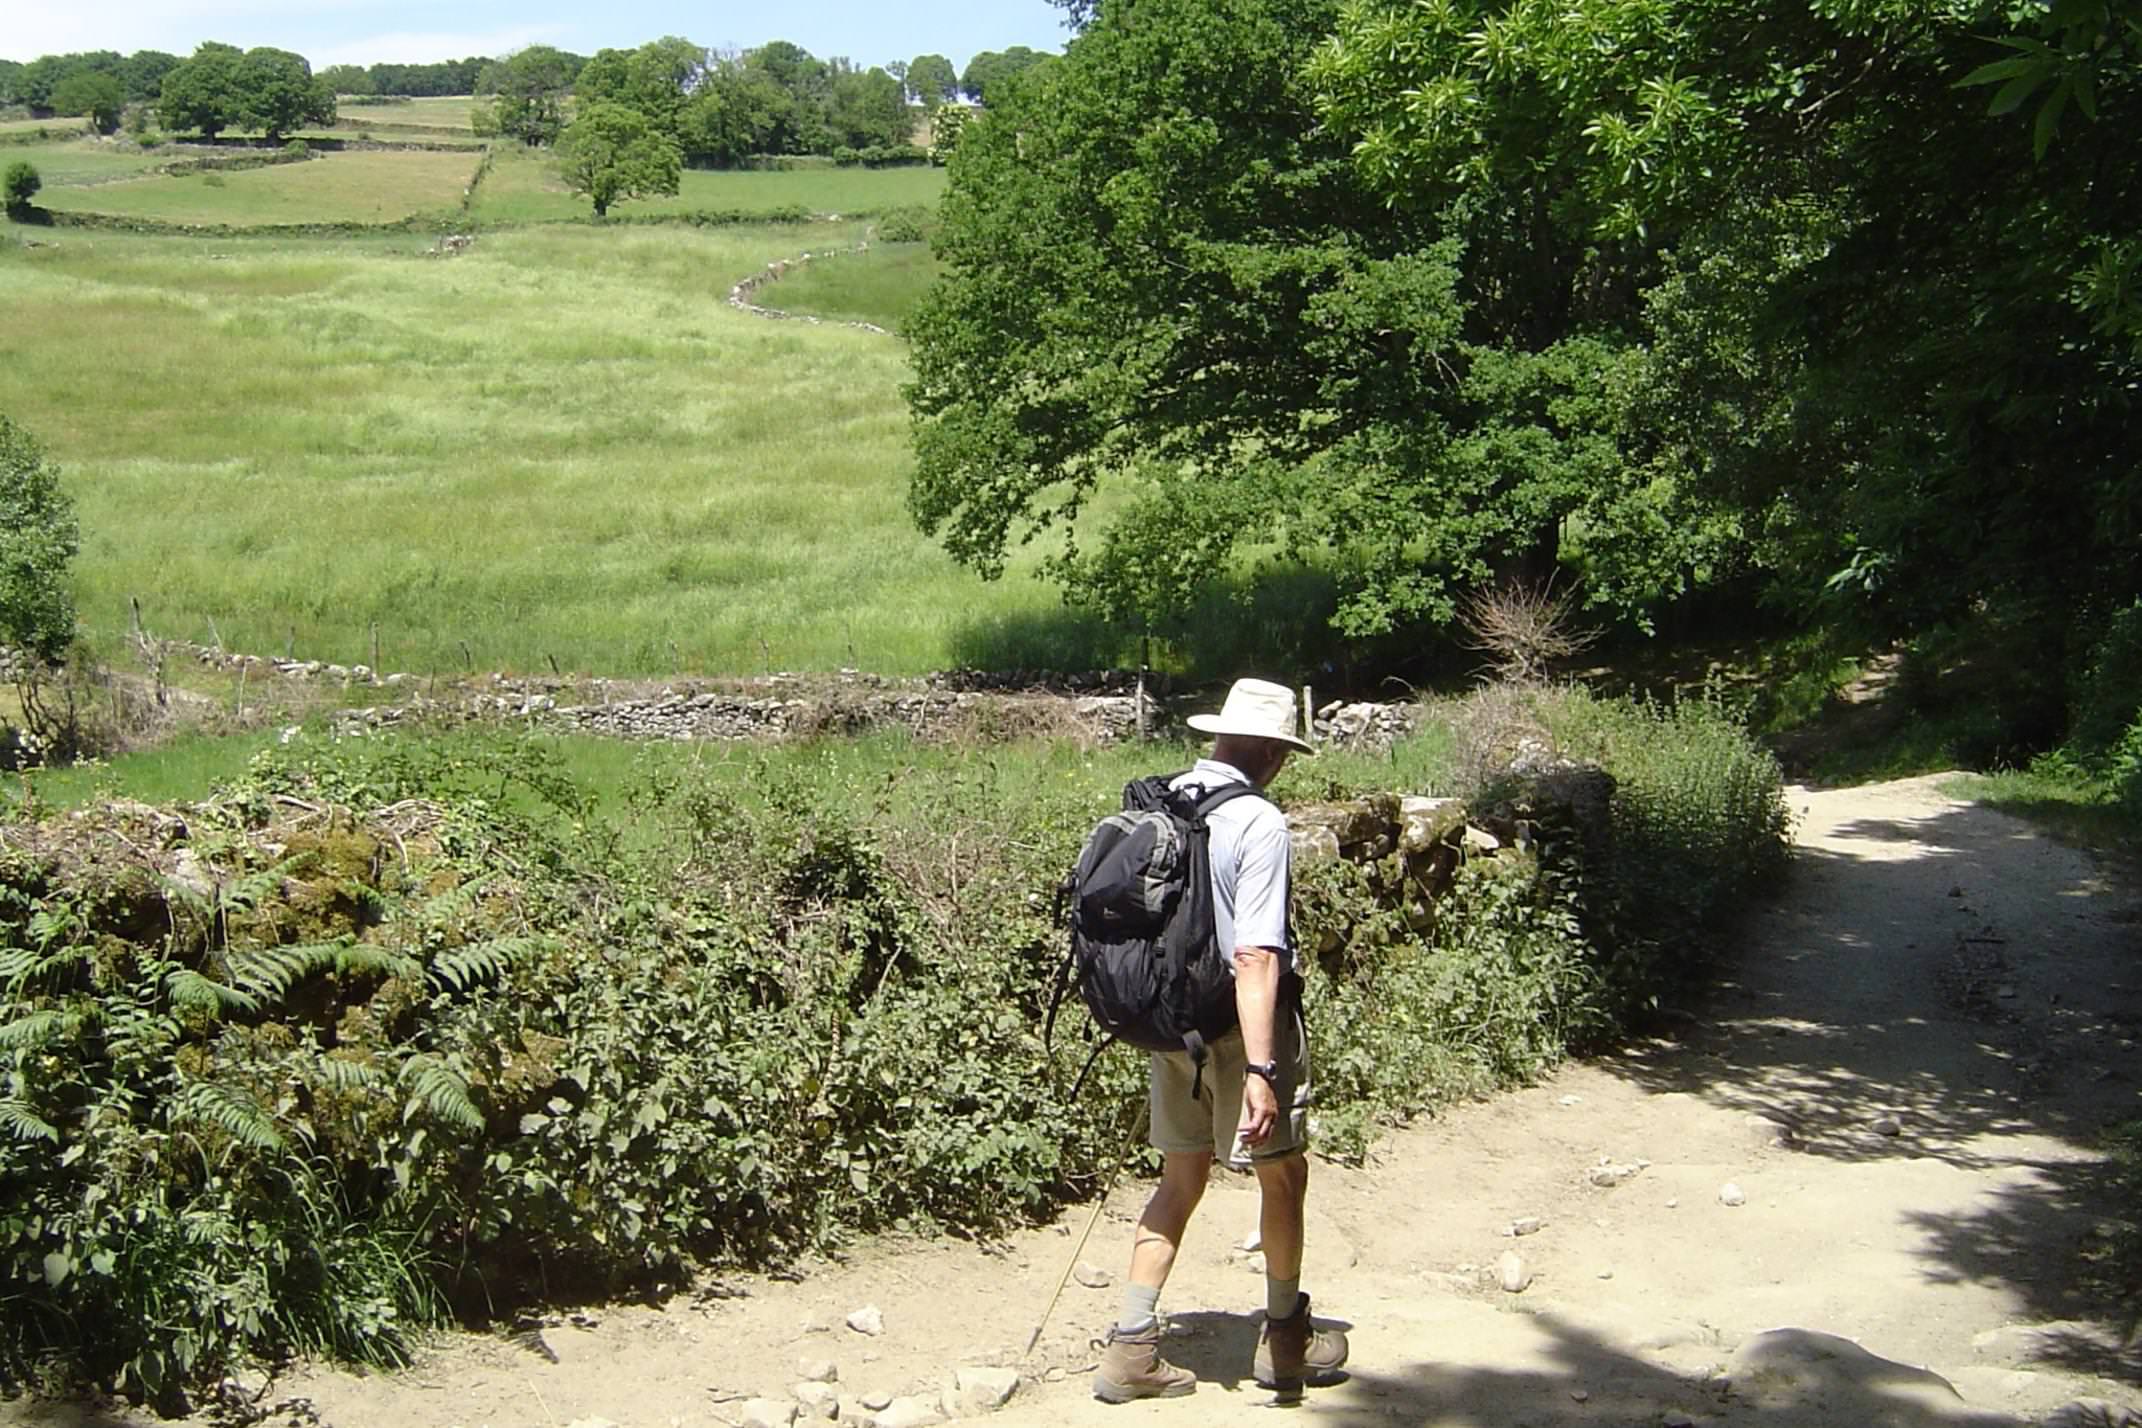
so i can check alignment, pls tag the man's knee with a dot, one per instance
(1286, 1176)
(1184, 1173)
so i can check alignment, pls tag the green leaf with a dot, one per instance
(2013, 93)
(57, 1267)
(1998, 70)
(2048, 122)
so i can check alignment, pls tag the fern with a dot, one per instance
(192, 990)
(464, 967)
(446, 906)
(273, 971)
(33, 1030)
(339, 1073)
(231, 1111)
(441, 1090)
(244, 894)
(23, 1123)
(362, 957)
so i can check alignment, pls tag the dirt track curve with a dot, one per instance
(1902, 1070)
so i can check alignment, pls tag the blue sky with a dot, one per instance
(362, 31)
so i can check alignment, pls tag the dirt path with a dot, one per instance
(1903, 1075)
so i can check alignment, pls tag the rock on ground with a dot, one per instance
(979, 1390)
(1798, 1373)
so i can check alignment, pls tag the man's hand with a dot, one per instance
(1260, 1110)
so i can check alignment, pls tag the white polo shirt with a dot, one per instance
(1250, 852)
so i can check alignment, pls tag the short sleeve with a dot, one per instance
(1261, 883)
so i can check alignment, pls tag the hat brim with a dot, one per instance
(1217, 724)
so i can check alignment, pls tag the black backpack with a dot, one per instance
(1143, 945)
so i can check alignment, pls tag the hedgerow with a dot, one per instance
(401, 1029)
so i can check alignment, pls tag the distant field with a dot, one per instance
(881, 286)
(525, 188)
(449, 111)
(359, 187)
(559, 444)
(55, 127)
(77, 161)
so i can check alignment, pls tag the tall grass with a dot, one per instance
(367, 186)
(881, 286)
(524, 187)
(561, 444)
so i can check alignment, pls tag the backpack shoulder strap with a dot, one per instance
(1225, 793)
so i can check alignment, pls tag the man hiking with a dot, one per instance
(1250, 1104)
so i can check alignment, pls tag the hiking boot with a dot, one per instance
(1131, 1368)
(1293, 1351)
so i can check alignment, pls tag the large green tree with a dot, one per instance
(94, 94)
(1170, 287)
(1880, 326)
(203, 93)
(868, 108)
(988, 72)
(532, 86)
(657, 79)
(932, 80)
(733, 113)
(278, 93)
(612, 153)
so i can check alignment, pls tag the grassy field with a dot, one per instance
(361, 187)
(871, 770)
(82, 161)
(881, 286)
(447, 112)
(55, 127)
(559, 444)
(524, 187)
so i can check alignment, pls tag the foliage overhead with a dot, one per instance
(1167, 285)
(1888, 326)
(97, 94)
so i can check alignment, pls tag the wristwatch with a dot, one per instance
(1269, 1070)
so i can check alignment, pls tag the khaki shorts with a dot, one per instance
(1213, 1119)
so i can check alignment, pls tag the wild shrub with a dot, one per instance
(19, 184)
(394, 1025)
(1699, 821)
(909, 224)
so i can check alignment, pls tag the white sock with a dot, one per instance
(1139, 1303)
(1280, 1297)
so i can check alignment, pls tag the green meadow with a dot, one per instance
(360, 186)
(525, 188)
(561, 445)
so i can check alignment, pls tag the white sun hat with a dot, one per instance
(1258, 709)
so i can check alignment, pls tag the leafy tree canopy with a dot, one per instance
(989, 71)
(532, 85)
(278, 93)
(203, 93)
(931, 79)
(1169, 286)
(1886, 323)
(94, 93)
(612, 153)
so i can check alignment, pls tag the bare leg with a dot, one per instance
(1167, 1214)
(1283, 1186)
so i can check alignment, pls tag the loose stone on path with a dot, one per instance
(867, 1320)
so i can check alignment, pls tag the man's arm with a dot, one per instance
(1257, 1005)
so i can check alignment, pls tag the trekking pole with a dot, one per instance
(1093, 1219)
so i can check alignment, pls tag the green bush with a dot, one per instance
(406, 1024)
(297, 149)
(910, 224)
(19, 184)
(2108, 694)
(1700, 825)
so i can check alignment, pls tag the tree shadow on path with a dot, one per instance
(1943, 983)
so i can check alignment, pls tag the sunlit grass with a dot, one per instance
(364, 186)
(561, 445)
(78, 161)
(524, 187)
(881, 286)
